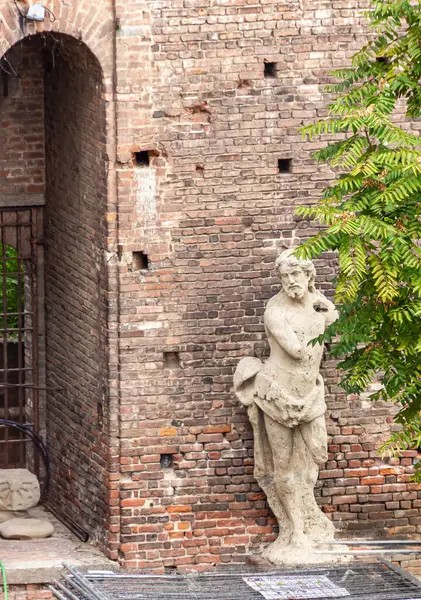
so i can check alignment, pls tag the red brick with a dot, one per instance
(210, 212)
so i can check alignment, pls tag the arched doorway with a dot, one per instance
(53, 164)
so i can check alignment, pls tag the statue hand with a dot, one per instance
(304, 353)
(322, 304)
(326, 307)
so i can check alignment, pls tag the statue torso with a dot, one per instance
(306, 324)
(298, 380)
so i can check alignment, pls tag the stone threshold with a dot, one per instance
(41, 561)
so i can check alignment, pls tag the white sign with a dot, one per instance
(293, 587)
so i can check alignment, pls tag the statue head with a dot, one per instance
(297, 275)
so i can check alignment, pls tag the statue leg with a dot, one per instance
(287, 485)
(317, 525)
(315, 438)
(264, 467)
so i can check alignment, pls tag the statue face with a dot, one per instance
(294, 281)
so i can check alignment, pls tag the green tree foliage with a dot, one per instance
(9, 290)
(372, 214)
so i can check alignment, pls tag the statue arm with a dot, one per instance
(286, 337)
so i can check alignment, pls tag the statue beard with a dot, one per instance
(296, 293)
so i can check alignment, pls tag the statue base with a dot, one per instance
(304, 554)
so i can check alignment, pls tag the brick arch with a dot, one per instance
(90, 21)
(85, 30)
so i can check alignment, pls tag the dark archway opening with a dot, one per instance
(53, 158)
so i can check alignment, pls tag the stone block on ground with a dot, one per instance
(26, 529)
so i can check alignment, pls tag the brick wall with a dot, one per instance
(21, 125)
(211, 212)
(28, 592)
(367, 495)
(205, 202)
(75, 282)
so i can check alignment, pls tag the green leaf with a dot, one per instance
(371, 215)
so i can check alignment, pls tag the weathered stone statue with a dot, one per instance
(286, 406)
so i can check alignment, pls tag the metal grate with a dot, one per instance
(379, 581)
(18, 331)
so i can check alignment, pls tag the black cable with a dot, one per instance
(19, 10)
(26, 429)
(51, 14)
(38, 443)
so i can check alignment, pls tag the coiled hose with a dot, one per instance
(38, 443)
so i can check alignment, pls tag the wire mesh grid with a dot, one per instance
(379, 581)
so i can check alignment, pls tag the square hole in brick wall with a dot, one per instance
(140, 261)
(142, 159)
(270, 69)
(166, 461)
(284, 165)
(171, 360)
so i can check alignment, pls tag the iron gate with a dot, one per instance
(19, 234)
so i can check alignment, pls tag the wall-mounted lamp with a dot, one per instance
(36, 12)
(33, 11)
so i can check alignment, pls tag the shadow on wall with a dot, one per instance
(53, 141)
